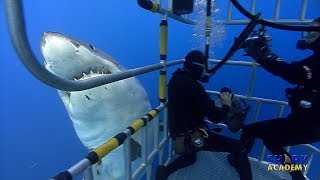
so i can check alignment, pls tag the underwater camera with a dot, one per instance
(182, 6)
(258, 34)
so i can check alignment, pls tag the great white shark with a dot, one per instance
(99, 113)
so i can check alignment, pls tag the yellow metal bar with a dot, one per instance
(138, 124)
(163, 37)
(153, 113)
(163, 56)
(113, 143)
(162, 86)
(107, 147)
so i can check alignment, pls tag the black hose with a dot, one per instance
(237, 44)
(271, 24)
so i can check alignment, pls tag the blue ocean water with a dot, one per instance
(37, 137)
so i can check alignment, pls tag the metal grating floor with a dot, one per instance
(214, 165)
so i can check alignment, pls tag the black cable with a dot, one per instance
(271, 24)
(237, 44)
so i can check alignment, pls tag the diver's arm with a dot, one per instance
(203, 103)
(259, 49)
(295, 73)
(216, 114)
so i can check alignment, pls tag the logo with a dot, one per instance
(285, 163)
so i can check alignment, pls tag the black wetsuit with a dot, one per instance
(188, 105)
(302, 126)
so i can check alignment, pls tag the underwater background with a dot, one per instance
(37, 137)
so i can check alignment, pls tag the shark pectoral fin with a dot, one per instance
(135, 150)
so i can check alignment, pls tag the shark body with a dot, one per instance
(101, 112)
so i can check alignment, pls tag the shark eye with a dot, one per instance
(92, 47)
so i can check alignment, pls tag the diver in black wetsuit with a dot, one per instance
(188, 105)
(302, 126)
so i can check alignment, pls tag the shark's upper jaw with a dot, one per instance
(91, 72)
(74, 60)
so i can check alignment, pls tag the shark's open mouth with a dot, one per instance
(75, 60)
(91, 72)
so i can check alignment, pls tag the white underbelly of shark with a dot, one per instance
(101, 112)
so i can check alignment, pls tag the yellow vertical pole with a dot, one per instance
(163, 57)
(162, 78)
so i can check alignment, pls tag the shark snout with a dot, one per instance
(53, 36)
(43, 39)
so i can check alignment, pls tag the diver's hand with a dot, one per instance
(225, 98)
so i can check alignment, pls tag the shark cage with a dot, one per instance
(162, 145)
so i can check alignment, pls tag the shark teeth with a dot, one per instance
(92, 72)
